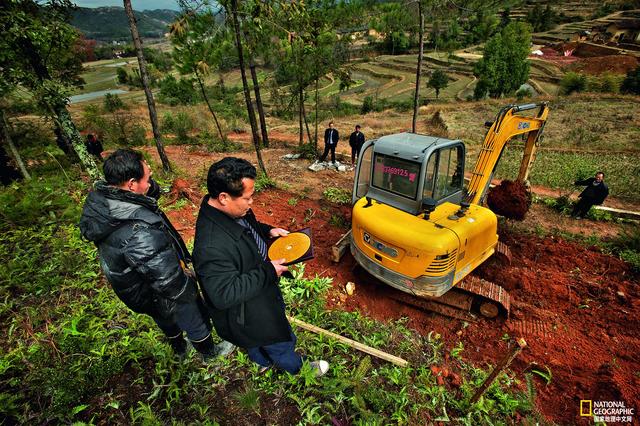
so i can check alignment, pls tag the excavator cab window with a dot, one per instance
(444, 173)
(396, 175)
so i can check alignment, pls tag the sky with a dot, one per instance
(137, 4)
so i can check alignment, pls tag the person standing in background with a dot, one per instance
(356, 140)
(331, 137)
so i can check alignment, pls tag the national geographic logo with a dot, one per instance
(606, 411)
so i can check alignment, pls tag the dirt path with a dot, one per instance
(578, 309)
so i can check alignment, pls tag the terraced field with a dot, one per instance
(393, 77)
(567, 32)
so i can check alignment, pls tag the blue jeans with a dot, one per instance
(190, 317)
(281, 355)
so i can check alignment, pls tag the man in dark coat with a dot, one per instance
(240, 284)
(595, 193)
(142, 255)
(356, 140)
(94, 146)
(331, 137)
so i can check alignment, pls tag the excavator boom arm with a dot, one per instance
(507, 125)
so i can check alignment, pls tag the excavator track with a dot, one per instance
(468, 300)
(489, 293)
(433, 305)
(503, 249)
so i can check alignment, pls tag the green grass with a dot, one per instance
(561, 169)
(70, 351)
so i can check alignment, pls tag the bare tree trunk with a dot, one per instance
(306, 123)
(144, 75)
(416, 98)
(221, 83)
(300, 109)
(223, 138)
(12, 147)
(245, 86)
(315, 141)
(256, 91)
(58, 111)
(65, 123)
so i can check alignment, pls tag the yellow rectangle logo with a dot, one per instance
(586, 408)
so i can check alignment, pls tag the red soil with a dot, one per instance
(588, 59)
(509, 199)
(564, 303)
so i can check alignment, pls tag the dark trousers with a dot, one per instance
(281, 355)
(355, 153)
(190, 317)
(581, 208)
(328, 148)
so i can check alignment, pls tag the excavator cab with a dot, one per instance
(414, 224)
(408, 170)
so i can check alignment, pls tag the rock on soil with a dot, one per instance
(509, 199)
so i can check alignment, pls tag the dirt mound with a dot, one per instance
(183, 189)
(617, 64)
(509, 199)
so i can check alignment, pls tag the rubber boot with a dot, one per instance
(209, 350)
(179, 345)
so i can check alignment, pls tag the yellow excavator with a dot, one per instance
(417, 228)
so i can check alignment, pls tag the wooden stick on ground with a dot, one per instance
(356, 345)
(504, 363)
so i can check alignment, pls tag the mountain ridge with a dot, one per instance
(110, 23)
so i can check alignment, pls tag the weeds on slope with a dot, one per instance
(70, 351)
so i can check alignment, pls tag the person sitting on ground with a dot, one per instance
(356, 140)
(142, 255)
(596, 192)
(240, 284)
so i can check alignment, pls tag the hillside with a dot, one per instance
(110, 23)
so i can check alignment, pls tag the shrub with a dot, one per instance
(177, 92)
(113, 103)
(367, 105)
(573, 82)
(122, 75)
(213, 143)
(264, 182)
(137, 136)
(609, 83)
(631, 83)
(524, 92)
(180, 124)
(307, 150)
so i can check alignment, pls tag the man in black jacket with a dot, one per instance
(142, 255)
(240, 284)
(331, 137)
(595, 193)
(94, 146)
(356, 140)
